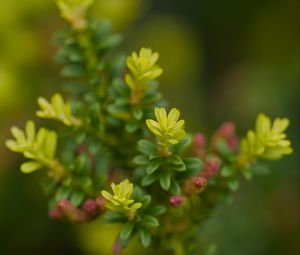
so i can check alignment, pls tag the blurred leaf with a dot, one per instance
(146, 147)
(30, 166)
(148, 179)
(175, 188)
(150, 221)
(233, 184)
(157, 210)
(227, 171)
(153, 166)
(145, 237)
(126, 230)
(63, 192)
(77, 198)
(165, 180)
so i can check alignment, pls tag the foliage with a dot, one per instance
(166, 187)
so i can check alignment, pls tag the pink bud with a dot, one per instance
(71, 212)
(200, 182)
(233, 142)
(55, 214)
(227, 129)
(90, 207)
(65, 204)
(100, 201)
(176, 200)
(117, 249)
(211, 168)
(199, 142)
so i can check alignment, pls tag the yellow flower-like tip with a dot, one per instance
(74, 11)
(38, 146)
(120, 199)
(272, 134)
(142, 68)
(56, 109)
(268, 140)
(167, 128)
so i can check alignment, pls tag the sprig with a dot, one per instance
(39, 147)
(168, 129)
(108, 138)
(143, 69)
(74, 11)
(120, 199)
(267, 141)
(57, 109)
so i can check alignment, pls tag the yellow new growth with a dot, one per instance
(267, 141)
(56, 109)
(167, 129)
(40, 147)
(120, 199)
(74, 11)
(142, 69)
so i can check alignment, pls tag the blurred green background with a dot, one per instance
(222, 60)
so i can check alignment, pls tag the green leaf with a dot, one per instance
(120, 87)
(145, 237)
(227, 171)
(62, 192)
(131, 127)
(114, 217)
(183, 144)
(126, 230)
(30, 166)
(165, 180)
(110, 41)
(247, 173)
(75, 55)
(140, 160)
(154, 155)
(150, 221)
(175, 187)
(102, 28)
(75, 70)
(223, 148)
(233, 184)
(86, 182)
(151, 98)
(48, 184)
(193, 164)
(146, 147)
(148, 180)
(175, 160)
(77, 198)
(179, 168)
(137, 113)
(153, 166)
(122, 101)
(158, 210)
(146, 200)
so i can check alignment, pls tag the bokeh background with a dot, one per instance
(222, 60)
